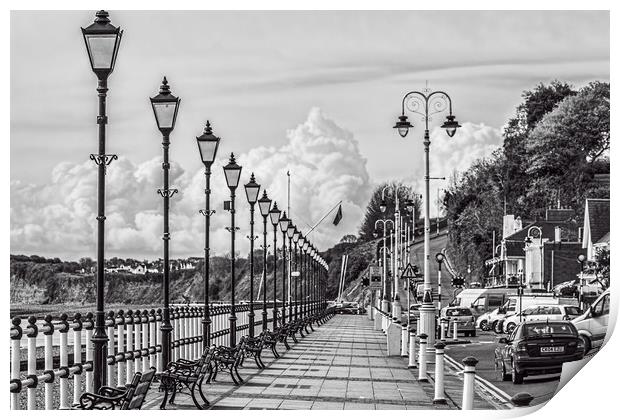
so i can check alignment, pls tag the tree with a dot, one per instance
(373, 211)
(349, 239)
(566, 148)
(602, 267)
(536, 104)
(86, 263)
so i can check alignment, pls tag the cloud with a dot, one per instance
(58, 218)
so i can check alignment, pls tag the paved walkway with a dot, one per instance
(343, 364)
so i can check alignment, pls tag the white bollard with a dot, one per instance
(469, 374)
(412, 349)
(440, 395)
(455, 329)
(422, 376)
(393, 339)
(404, 340)
(443, 326)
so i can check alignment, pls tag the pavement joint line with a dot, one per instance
(342, 378)
(289, 397)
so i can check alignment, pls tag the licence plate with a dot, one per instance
(555, 349)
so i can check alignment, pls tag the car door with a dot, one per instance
(599, 321)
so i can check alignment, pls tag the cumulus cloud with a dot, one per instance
(324, 160)
(450, 156)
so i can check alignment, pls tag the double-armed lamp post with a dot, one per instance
(165, 108)
(251, 191)
(102, 40)
(207, 145)
(264, 205)
(427, 104)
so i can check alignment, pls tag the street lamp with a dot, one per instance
(102, 41)
(289, 233)
(207, 146)
(232, 173)
(264, 205)
(165, 107)
(296, 237)
(251, 191)
(581, 259)
(306, 278)
(274, 215)
(284, 222)
(426, 105)
(384, 300)
(439, 257)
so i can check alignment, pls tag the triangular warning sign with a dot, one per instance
(408, 272)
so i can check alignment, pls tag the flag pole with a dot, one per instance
(323, 218)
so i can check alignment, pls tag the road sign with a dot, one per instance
(408, 272)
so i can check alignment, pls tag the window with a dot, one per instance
(572, 310)
(494, 301)
(528, 311)
(458, 312)
(549, 328)
(555, 310)
(605, 305)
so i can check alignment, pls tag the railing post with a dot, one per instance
(77, 356)
(121, 366)
(64, 363)
(153, 341)
(16, 336)
(137, 330)
(412, 349)
(469, 375)
(129, 353)
(90, 356)
(145, 340)
(49, 361)
(422, 376)
(440, 395)
(110, 322)
(32, 362)
(158, 320)
(176, 333)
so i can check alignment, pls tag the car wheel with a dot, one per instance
(511, 327)
(517, 378)
(497, 327)
(500, 371)
(484, 325)
(587, 344)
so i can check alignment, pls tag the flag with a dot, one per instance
(338, 217)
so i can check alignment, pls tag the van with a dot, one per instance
(592, 325)
(483, 300)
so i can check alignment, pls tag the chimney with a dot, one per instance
(558, 234)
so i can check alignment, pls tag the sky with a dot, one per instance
(315, 93)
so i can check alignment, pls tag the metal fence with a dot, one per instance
(52, 359)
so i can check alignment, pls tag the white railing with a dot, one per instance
(52, 359)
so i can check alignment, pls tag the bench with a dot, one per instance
(229, 358)
(188, 374)
(130, 397)
(253, 348)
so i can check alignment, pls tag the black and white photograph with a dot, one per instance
(308, 209)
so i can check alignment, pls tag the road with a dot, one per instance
(482, 348)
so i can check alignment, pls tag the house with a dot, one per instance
(595, 226)
(540, 254)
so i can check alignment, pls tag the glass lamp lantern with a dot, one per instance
(264, 204)
(102, 41)
(284, 222)
(274, 214)
(403, 126)
(296, 235)
(251, 190)
(290, 232)
(232, 172)
(165, 107)
(450, 125)
(207, 145)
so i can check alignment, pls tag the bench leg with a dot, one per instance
(202, 395)
(238, 376)
(232, 375)
(162, 406)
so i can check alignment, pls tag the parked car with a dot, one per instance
(541, 313)
(351, 308)
(592, 325)
(488, 320)
(463, 317)
(537, 348)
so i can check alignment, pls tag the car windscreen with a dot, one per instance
(458, 312)
(549, 328)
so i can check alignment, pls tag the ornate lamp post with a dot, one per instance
(289, 232)
(296, 237)
(581, 259)
(232, 172)
(439, 257)
(207, 145)
(384, 299)
(427, 104)
(274, 215)
(165, 107)
(251, 192)
(304, 284)
(102, 41)
(284, 222)
(264, 205)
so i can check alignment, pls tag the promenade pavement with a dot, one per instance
(343, 364)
